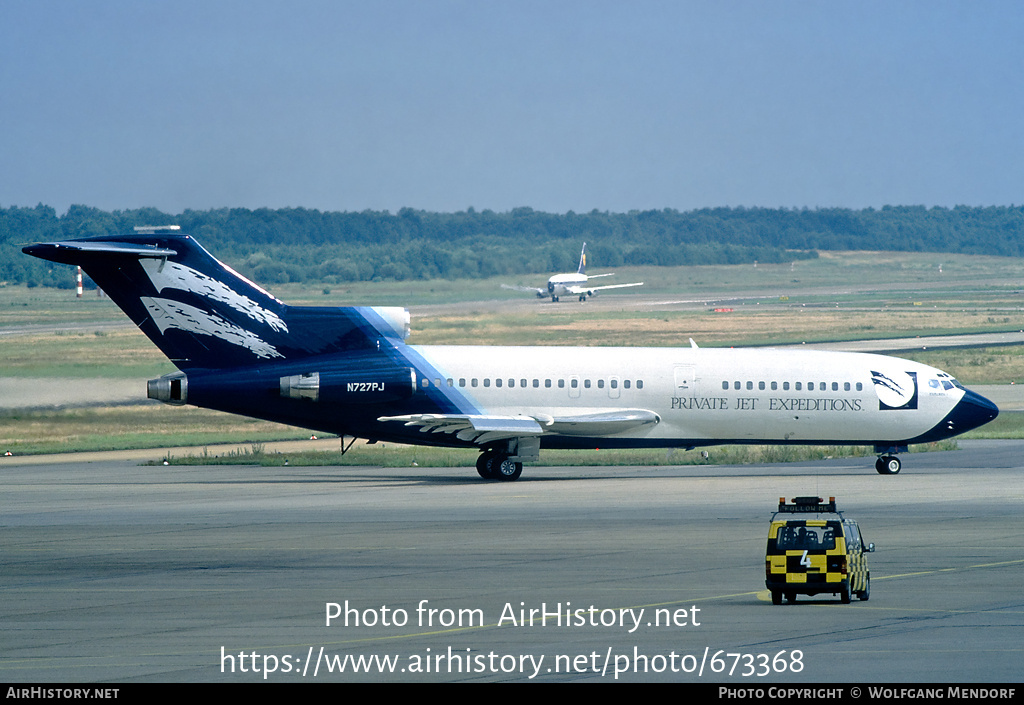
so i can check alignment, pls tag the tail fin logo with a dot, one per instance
(895, 390)
(167, 313)
(170, 275)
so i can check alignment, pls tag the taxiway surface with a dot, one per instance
(117, 572)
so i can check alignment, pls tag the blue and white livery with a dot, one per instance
(349, 371)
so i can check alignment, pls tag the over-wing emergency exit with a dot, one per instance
(349, 371)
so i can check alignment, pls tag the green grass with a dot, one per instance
(997, 365)
(28, 432)
(1009, 424)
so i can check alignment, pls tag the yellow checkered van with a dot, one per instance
(812, 549)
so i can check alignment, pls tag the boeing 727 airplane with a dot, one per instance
(573, 283)
(349, 371)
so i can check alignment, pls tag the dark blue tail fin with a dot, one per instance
(203, 314)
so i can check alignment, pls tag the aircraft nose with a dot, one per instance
(971, 411)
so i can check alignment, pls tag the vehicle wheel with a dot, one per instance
(864, 594)
(507, 470)
(844, 594)
(776, 597)
(791, 597)
(888, 465)
(485, 465)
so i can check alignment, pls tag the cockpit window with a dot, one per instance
(946, 381)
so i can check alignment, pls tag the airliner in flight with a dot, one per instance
(573, 283)
(350, 371)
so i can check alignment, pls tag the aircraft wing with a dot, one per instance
(591, 289)
(532, 289)
(482, 428)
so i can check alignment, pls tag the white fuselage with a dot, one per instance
(702, 395)
(563, 284)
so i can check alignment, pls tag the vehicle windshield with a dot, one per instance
(806, 538)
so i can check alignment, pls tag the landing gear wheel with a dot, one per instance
(485, 465)
(864, 594)
(507, 470)
(888, 465)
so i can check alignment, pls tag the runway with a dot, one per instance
(116, 572)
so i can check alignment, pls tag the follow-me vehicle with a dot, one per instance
(813, 548)
(349, 371)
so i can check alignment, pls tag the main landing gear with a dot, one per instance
(888, 465)
(494, 465)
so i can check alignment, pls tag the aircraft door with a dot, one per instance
(685, 379)
(574, 387)
(614, 387)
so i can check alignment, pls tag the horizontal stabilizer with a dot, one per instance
(72, 251)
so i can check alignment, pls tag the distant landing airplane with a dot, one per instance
(349, 371)
(572, 283)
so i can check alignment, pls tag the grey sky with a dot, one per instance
(553, 105)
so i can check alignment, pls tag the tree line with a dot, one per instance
(307, 245)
